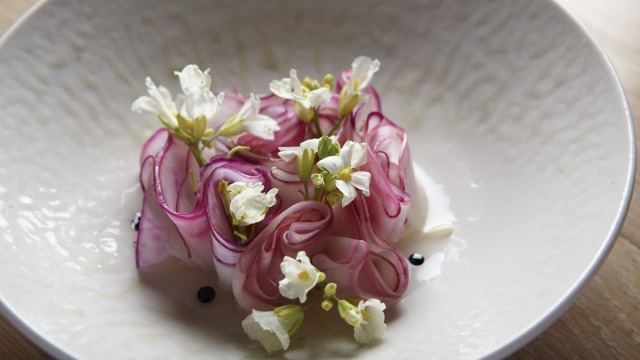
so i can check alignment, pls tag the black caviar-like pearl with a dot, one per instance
(206, 294)
(416, 259)
(135, 224)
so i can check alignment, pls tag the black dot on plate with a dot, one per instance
(416, 259)
(206, 294)
(135, 224)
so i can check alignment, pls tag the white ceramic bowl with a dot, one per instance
(510, 105)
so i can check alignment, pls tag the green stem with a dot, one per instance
(197, 153)
(306, 190)
(207, 143)
(194, 186)
(316, 121)
(318, 194)
(235, 150)
(336, 125)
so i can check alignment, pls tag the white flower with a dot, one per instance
(273, 328)
(291, 88)
(343, 166)
(372, 327)
(248, 204)
(250, 120)
(159, 102)
(198, 104)
(362, 70)
(193, 80)
(197, 100)
(300, 277)
(290, 152)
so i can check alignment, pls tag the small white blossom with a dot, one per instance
(159, 102)
(197, 100)
(352, 155)
(372, 327)
(287, 153)
(204, 104)
(292, 88)
(362, 70)
(273, 328)
(193, 80)
(249, 119)
(248, 204)
(300, 277)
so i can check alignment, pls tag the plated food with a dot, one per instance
(295, 199)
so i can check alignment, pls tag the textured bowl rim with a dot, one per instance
(527, 335)
(502, 350)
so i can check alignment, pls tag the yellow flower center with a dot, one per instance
(345, 174)
(304, 275)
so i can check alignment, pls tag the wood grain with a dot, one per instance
(604, 322)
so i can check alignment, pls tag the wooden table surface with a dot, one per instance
(605, 320)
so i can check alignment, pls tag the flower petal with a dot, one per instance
(145, 103)
(262, 126)
(265, 327)
(363, 69)
(361, 180)
(282, 88)
(332, 164)
(374, 326)
(348, 191)
(354, 154)
(319, 97)
(192, 79)
(288, 153)
(206, 104)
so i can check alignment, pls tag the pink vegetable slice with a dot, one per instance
(357, 261)
(361, 263)
(302, 227)
(165, 177)
(392, 178)
(177, 223)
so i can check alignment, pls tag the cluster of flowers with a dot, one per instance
(244, 185)
(274, 328)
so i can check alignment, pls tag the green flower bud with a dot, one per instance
(291, 312)
(287, 312)
(323, 147)
(231, 127)
(306, 162)
(317, 180)
(326, 305)
(334, 197)
(347, 105)
(305, 114)
(334, 149)
(329, 180)
(327, 81)
(321, 277)
(349, 313)
(310, 84)
(330, 290)
(183, 123)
